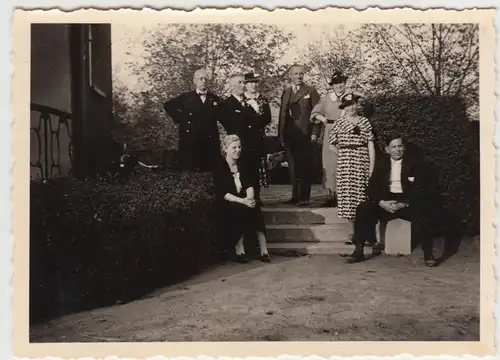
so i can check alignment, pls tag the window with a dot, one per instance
(98, 49)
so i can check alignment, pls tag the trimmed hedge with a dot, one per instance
(439, 130)
(95, 243)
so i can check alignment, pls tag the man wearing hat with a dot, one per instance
(197, 112)
(260, 117)
(326, 112)
(296, 133)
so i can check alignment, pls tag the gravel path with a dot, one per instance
(313, 298)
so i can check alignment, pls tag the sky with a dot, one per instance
(127, 45)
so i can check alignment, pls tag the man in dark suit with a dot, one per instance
(260, 117)
(197, 112)
(297, 132)
(398, 188)
(240, 118)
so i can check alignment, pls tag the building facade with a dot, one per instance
(70, 99)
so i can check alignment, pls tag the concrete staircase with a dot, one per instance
(302, 231)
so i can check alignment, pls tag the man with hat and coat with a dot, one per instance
(325, 113)
(260, 117)
(197, 112)
(296, 133)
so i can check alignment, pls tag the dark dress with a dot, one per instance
(234, 219)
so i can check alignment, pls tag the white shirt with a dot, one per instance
(253, 102)
(395, 179)
(237, 181)
(203, 95)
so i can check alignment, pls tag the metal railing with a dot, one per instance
(48, 130)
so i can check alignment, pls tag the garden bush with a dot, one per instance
(95, 243)
(439, 130)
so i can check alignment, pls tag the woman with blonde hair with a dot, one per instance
(238, 211)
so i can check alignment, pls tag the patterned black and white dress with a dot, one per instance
(353, 164)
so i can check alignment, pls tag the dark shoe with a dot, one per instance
(303, 203)
(430, 262)
(242, 259)
(377, 249)
(356, 256)
(291, 201)
(265, 258)
(329, 203)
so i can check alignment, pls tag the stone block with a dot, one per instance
(395, 235)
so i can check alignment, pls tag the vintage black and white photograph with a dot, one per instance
(205, 181)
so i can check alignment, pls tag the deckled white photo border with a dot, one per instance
(20, 200)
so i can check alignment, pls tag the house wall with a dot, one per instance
(50, 86)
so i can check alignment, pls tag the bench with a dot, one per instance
(395, 236)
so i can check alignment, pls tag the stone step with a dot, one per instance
(301, 216)
(307, 248)
(307, 233)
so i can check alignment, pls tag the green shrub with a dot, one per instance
(94, 243)
(438, 128)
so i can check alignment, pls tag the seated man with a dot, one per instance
(397, 189)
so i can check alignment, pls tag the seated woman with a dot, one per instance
(239, 214)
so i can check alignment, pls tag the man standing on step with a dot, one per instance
(398, 188)
(297, 133)
(197, 112)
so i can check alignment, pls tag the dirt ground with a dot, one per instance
(315, 298)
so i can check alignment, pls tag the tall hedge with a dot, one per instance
(438, 129)
(95, 243)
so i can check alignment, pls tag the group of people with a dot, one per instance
(363, 188)
(240, 172)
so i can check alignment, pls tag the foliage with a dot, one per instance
(94, 243)
(426, 59)
(333, 51)
(172, 53)
(438, 128)
(141, 124)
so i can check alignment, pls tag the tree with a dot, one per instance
(334, 51)
(173, 52)
(427, 59)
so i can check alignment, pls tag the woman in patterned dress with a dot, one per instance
(351, 138)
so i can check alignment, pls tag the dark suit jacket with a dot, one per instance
(197, 120)
(261, 120)
(245, 122)
(295, 111)
(414, 180)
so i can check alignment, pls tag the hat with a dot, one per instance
(337, 78)
(348, 99)
(251, 77)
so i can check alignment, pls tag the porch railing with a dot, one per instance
(50, 142)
